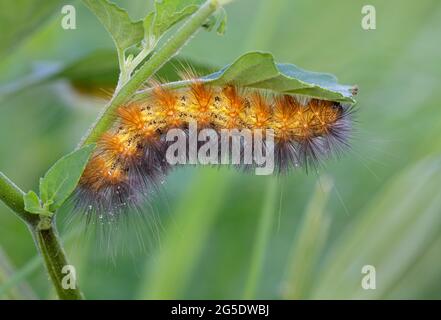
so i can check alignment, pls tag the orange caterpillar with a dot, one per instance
(130, 158)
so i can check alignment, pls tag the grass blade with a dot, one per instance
(262, 239)
(309, 243)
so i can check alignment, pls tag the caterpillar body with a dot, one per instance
(130, 158)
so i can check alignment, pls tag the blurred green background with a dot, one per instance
(222, 234)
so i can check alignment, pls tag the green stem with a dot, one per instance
(157, 60)
(50, 248)
(12, 196)
(122, 67)
(44, 232)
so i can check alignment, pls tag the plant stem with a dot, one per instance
(12, 196)
(45, 235)
(50, 248)
(157, 60)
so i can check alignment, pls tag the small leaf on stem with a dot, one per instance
(62, 178)
(33, 205)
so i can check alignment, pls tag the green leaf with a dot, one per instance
(170, 12)
(124, 32)
(127, 33)
(259, 70)
(217, 21)
(222, 18)
(149, 35)
(33, 205)
(62, 178)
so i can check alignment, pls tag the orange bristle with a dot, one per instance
(132, 155)
(166, 102)
(117, 145)
(260, 113)
(287, 117)
(234, 108)
(202, 101)
(131, 117)
(99, 173)
(325, 115)
(136, 121)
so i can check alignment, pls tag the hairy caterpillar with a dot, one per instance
(131, 157)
